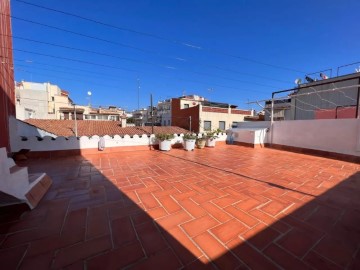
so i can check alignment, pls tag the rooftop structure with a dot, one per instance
(328, 98)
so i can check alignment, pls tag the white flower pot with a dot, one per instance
(165, 145)
(189, 145)
(210, 142)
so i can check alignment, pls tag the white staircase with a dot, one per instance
(17, 182)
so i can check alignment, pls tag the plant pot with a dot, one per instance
(165, 145)
(210, 142)
(189, 145)
(200, 144)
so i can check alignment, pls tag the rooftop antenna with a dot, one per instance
(323, 76)
(138, 93)
(89, 97)
(298, 82)
(309, 79)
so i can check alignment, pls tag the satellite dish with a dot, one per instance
(89, 93)
(309, 79)
(298, 81)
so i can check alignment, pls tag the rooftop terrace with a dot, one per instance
(228, 207)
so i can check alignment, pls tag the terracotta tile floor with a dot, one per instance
(229, 207)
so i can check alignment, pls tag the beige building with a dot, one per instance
(40, 100)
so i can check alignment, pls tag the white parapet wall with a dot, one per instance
(331, 135)
(48, 143)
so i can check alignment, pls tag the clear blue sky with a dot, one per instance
(235, 40)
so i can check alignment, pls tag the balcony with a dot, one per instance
(227, 207)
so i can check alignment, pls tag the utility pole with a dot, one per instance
(138, 93)
(152, 114)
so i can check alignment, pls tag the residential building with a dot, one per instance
(164, 112)
(197, 114)
(7, 93)
(328, 98)
(112, 113)
(140, 117)
(48, 101)
(41, 101)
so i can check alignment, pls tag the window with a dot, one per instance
(52, 98)
(164, 123)
(207, 125)
(186, 106)
(168, 122)
(222, 125)
(234, 125)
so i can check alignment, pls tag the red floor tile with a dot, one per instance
(199, 225)
(223, 208)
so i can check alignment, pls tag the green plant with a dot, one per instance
(211, 135)
(189, 136)
(164, 136)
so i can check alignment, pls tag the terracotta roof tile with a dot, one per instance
(66, 128)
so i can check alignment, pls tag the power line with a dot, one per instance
(139, 61)
(143, 62)
(180, 79)
(187, 44)
(93, 37)
(65, 78)
(89, 51)
(113, 67)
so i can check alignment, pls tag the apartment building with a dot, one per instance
(41, 101)
(197, 114)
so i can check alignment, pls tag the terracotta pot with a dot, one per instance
(200, 144)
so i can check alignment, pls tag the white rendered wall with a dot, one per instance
(61, 143)
(256, 132)
(332, 135)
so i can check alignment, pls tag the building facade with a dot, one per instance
(330, 98)
(41, 101)
(198, 115)
(7, 91)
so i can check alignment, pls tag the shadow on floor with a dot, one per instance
(147, 210)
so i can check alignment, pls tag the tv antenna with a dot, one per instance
(89, 97)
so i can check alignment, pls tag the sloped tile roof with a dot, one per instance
(66, 128)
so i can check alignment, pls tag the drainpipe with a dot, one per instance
(357, 102)
(76, 131)
(272, 119)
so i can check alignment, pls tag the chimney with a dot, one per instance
(123, 121)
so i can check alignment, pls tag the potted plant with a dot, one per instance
(189, 141)
(164, 141)
(211, 138)
(200, 142)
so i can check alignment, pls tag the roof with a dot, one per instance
(89, 128)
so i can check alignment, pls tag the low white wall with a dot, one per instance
(252, 132)
(61, 143)
(332, 135)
